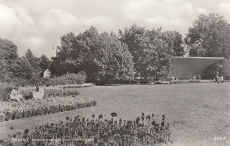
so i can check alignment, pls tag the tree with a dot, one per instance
(22, 69)
(44, 63)
(116, 60)
(175, 39)
(102, 56)
(8, 54)
(34, 62)
(152, 51)
(209, 37)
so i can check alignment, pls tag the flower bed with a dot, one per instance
(49, 91)
(96, 132)
(29, 108)
(76, 85)
(189, 81)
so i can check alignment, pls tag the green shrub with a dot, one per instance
(70, 91)
(5, 90)
(49, 91)
(69, 78)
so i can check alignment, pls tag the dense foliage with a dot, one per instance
(22, 69)
(5, 90)
(176, 42)
(144, 130)
(152, 51)
(102, 56)
(69, 78)
(107, 58)
(8, 54)
(209, 37)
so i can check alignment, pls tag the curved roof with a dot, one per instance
(188, 67)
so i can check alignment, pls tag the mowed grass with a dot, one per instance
(198, 113)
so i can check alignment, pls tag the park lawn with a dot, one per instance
(198, 113)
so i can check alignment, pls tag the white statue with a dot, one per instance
(15, 95)
(39, 94)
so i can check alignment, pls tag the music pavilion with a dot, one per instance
(188, 67)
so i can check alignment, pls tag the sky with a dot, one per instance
(39, 24)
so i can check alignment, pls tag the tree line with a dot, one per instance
(114, 58)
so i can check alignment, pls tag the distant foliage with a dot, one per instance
(44, 63)
(209, 37)
(108, 58)
(69, 78)
(5, 90)
(152, 51)
(22, 69)
(102, 56)
(33, 61)
(8, 55)
(175, 39)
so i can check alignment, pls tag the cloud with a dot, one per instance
(9, 21)
(224, 9)
(55, 17)
(24, 17)
(66, 18)
(35, 42)
(169, 14)
(37, 25)
(158, 20)
(200, 10)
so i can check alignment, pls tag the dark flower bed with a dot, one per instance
(95, 132)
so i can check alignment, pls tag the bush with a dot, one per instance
(76, 85)
(49, 91)
(19, 82)
(5, 90)
(70, 91)
(69, 78)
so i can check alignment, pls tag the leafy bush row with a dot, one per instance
(49, 91)
(96, 132)
(29, 108)
(5, 90)
(69, 78)
(189, 81)
(76, 85)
